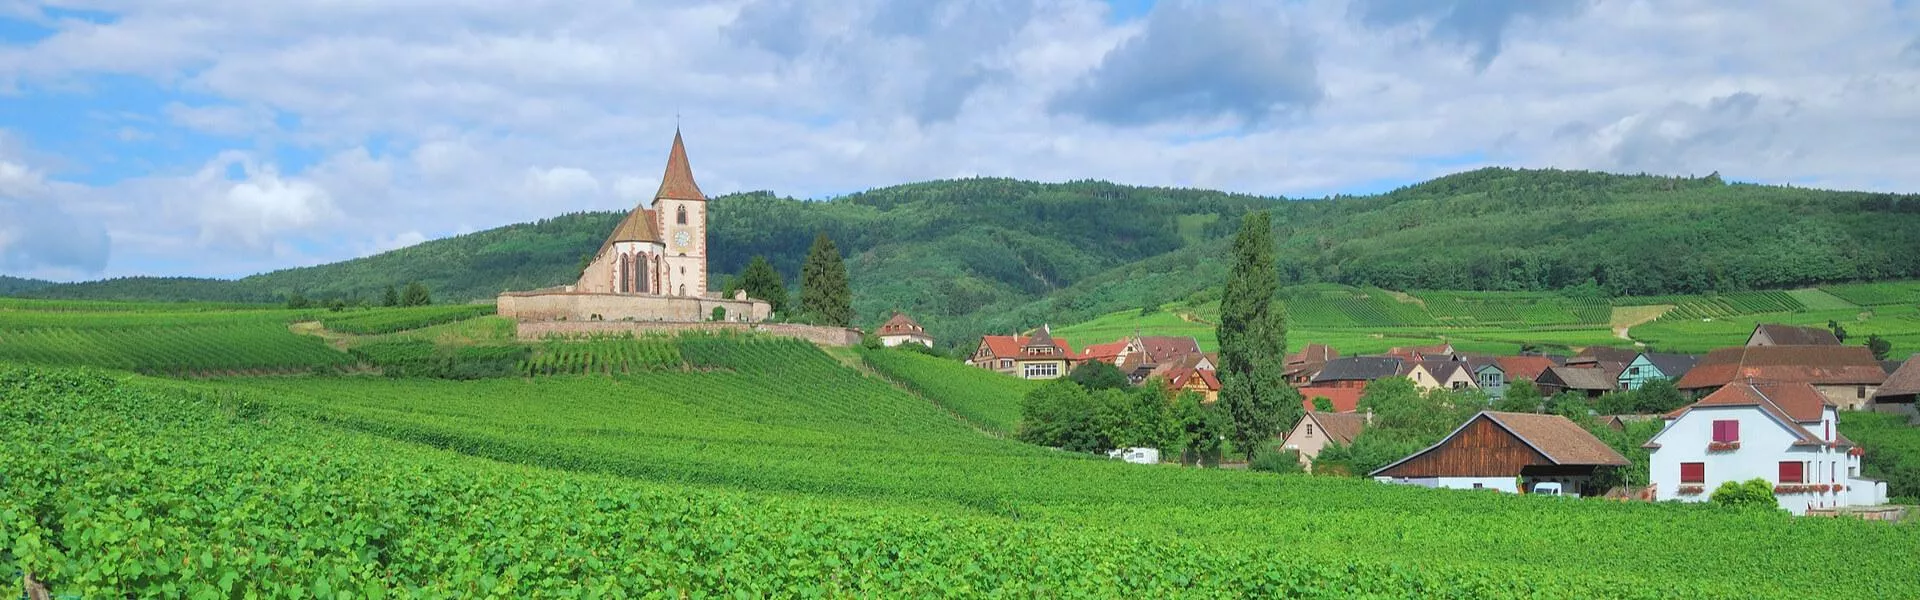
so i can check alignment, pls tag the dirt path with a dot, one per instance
(1625, 318)
(339, 341)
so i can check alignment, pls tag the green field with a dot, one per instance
(1365, 320)
(774, 469)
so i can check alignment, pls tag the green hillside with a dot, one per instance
(979, 255)
(772, 469)
(16, 285)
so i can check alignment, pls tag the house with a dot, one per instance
(1200, 381)
(1782, 432)
(1649, 366)
(1356, 371)
(1897, 394)
(1502, 451)
(1343, 399)
(902, 329)
(1525, 367)
(1440, 374)
(1769, 334)
(1303, 365)
(1620, 422)
(1107, 353)
(1592, 382)
(1317, 429)
(1439, 352)
(1492, 379)
(1039, 356)
(1154, 350)
(1846, 375)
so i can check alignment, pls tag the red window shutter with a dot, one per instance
(1693, 472)
(1733, 431)
(1792, 472)
(1719, 431)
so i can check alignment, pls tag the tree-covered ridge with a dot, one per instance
(15, 285)
(977, 255)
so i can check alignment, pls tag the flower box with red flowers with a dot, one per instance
(1857, 451)
(1692, 490)
(1722, 446)
(1792, 489)
(1822, 488)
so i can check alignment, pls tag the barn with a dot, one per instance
(1508, 452)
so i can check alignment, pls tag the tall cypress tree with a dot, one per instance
(1253, 341)
(825, 293)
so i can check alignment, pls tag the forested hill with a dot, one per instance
(15, 285)
(976, 255)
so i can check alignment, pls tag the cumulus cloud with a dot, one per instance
(1200, 60)
(36, 235)
(251, 210)
(1479, 25)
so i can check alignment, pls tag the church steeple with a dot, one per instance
(677, 183)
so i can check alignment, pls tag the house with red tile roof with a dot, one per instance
(1847, 375)
(1204, 382)
(1898, 393)
(1039, 356)
(1783, 432)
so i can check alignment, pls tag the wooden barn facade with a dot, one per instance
(1508, 452)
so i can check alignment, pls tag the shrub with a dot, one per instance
(1754, 493)
(1270, 460)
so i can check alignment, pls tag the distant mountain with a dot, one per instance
(974, 255)
(15, 285)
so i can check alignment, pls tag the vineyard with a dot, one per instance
(987, 399)
(198, 341)
(604, 357)
(1894, 455)
(1513, 309)
(1336, 306)
(779, 473)
(391, 320)
(1878, 294)
(1735, 304)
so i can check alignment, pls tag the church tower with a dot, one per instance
(680, 217)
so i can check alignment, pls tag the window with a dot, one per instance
(1693, 472)
(681, 216)
(1860, 392)
(1726, 431)
(1459, 385)
(1038, 370)
(1006, 363)
(1633, 371)
(1479, 486)
(1793, 471)
(1309, 430)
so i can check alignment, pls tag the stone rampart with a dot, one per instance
(555, 305)
(825, 336)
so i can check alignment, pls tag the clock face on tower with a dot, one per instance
(681, 239)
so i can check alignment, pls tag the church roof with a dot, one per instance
(677, 183)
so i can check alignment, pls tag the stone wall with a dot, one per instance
(825, 336)
(589, 307)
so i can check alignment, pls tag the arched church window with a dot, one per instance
(681, 216)
(683, 289)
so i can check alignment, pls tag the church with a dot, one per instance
(653, 267)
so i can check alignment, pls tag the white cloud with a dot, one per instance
(221, 119)
(251, 211)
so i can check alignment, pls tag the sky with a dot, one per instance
(223, 138)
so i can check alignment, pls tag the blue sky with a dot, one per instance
(216, 138)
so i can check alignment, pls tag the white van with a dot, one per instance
(1548, 488)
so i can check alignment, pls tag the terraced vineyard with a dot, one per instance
(391, 320)
(776, 471)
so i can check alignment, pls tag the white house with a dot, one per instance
(902, 329)
(1782, 432)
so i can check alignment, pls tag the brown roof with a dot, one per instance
(1104, 352)
(1341, 427)
(1577, 378)
(1561, 440)
(638, 226)
(1179, 378)
(1903, 382)
(901, 324)
(1313, 353)
(1010, 346)
(1790, 403)
(1160, 348)
(1609, 354)
(1524, 367)
(1818, 365)
(677, 183)
(1789, 335)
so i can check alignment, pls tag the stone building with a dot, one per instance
(653, 267)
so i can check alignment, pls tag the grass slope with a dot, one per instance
(986, 399)
(780, 471)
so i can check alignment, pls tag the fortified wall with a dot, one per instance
(825, 336)
(562, 305)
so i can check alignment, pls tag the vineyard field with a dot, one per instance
(199, 341)
(1878, 294)
(984, 398)
(779, 471)
(393, 320)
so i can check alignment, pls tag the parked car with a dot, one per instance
(1548, 488)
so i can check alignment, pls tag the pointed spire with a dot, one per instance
(677, 183)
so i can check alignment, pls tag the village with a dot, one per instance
(1766, 410)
